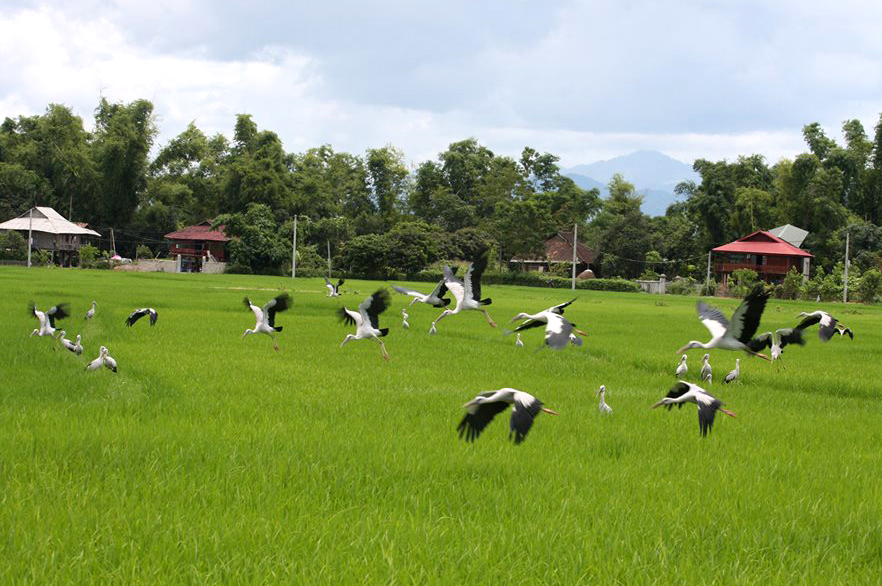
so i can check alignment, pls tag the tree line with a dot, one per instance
(380, 216)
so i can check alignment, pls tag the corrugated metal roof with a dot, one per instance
(45, 220)
(761, 242)
(790, 233)
(559, 248)
(202, 232)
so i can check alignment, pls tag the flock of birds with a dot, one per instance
(736, 334)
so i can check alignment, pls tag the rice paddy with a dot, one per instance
(209, 459)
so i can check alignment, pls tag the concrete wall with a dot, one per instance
(656, 287)
(213, 268)
(156, 265)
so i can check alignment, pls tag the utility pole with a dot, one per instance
(329, 258)
(845, 280)
(294, 251)
(707, 278)
(575, 240)
(30, 238)
(112, 242)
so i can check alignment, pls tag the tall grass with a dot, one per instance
(213, 460)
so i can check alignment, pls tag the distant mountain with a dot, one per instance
(654, 174)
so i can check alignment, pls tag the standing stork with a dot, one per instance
(139, 313)
(91, 313)
(436, 298)
(366, 320)
(481, 410)
(104, 359)
(404, 317)
(707, 373)
(827, 324)
(518, 342)
(467, 291)
(734, 335)
(75, 348)
(603, 407)
(777, 341)
(708, 405)
(682, 368)
(265, 318)
(333, 290)
(47, 318)
(734, 374)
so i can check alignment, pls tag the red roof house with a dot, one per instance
(195, 243)
(771, 257)
(559, 249)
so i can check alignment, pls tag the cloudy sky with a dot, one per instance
(584, 80)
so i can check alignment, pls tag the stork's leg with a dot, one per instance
(382, 349)
(489, 320)
(275, 343)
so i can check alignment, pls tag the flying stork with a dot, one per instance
(47, 318)
(777, 341)
(827, 324)
(265, 318)
(435, 298)
(558, 330)
(734, 374)
(366, 320)
(481, 410)
(333, 290)
(104, 359)
(737, 334)
(708, 405)
(707, 373)
(91, 313)
(467, 291)
(139, 313)
(604, 408)
(682, 368)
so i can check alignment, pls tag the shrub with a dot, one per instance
(791, 285)
(40, 258)
(13, 246)
(870, 284)
(685, 286)
(143, 251)
(709, 288)
(88, 254)
(744, 280)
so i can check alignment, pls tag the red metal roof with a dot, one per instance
(201, 232)
(761, 242)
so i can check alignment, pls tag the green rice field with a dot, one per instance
(209, 459)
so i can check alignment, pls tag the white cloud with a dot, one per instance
(582, 80)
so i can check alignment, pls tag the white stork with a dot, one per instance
(404, 317)
(104, 359)
(558, 330)
(737, 334)
(481, 410)
(604, 408)
(827, 324)
(777, 341)
(467, 292)
(47, 318)
(75, 348)
(91, 313)
(436, 298)
(366, 320)
(734, 374)
(682, 368)
(708, 405)
(518, 342)
(333, 290)
(139, 313)
(265, 318)
(707, 373)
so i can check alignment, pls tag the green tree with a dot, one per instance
(623, 231)
(257, 245)
(412, 246)
(365, 255)
(13, 246)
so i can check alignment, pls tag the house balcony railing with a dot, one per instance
(728, 267)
